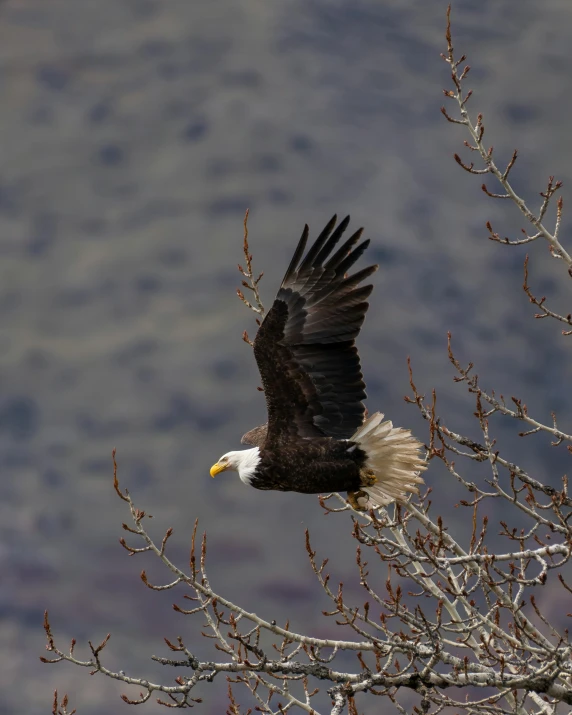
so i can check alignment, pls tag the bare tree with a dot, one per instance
(457, 623)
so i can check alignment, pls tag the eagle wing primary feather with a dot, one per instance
(305, 347)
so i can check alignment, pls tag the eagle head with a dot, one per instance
(244, 462)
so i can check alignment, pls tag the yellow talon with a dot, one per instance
(368, 478)
(353, 498)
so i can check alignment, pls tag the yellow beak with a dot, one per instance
(216, 468)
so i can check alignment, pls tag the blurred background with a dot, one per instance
(134, 134)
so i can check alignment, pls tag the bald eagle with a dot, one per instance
(318, 438)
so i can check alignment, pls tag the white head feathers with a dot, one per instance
(243, 461)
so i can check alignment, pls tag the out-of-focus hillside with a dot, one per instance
(134, 135)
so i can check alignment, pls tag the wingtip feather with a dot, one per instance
(298, 253)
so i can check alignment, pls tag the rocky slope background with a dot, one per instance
(134, 134)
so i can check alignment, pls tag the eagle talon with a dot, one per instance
(353, 500)
(368, 478)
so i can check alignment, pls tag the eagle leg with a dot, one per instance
(368, 478)
(353, 498)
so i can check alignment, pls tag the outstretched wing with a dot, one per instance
(305, 347)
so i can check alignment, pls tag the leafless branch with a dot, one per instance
(541, 304)
(251, 283)
(61, 707)
(463, 643)
(476, 129)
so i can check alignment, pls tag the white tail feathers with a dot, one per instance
(393, 456)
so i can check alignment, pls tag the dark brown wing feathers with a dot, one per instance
(305, 347)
